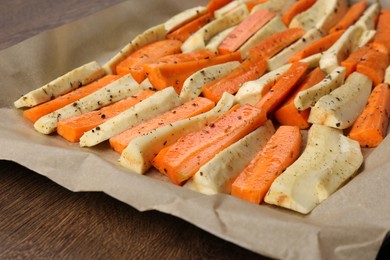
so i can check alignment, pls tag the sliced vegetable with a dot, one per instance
(381, 40)
(248, 27)
(165, 75)
(319, 46)
(193, 85)
(371, 126)
(353, 59)
(370, 17)
(184, 32)
(33, 114)
(184, 17)
(353, 14)
(309, 97)
(329, 160)
(342, 106)
(252, 68)
(189, 109)
(252, 3)
(76, 78)
(297, 8)
(153, 34)
(218, 174)
(275, 6)
(373, 65)
(216, 4)
(140, 152)
(283, 87)
(183, 57)
(277, 42)
(133, 64)
(73, 128)
(156, 104)
(214, 42)
(280, 152)
(288, 114)
(183, 159)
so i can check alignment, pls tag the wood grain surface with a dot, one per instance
(41, 220)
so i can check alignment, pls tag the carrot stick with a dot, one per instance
(371, 126)
(183, 159)
(248, 27)
(73, 128)
(252, 68)
(381, 39)
(353, 14)
(319, 46)
(288, 114)
(185, 31)
(295, 9)
(253, 183)
(189, 109)
(283, 87)
(149, 53)
(214, 5)
(165, 75)
(277, 42)
(253, 3)
(373, 65)
(184, 57)
(33, 114)
(353, 59)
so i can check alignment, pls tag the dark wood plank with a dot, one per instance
(40, 219)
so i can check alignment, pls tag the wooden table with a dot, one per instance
(40, 219)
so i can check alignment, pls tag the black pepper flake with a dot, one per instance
(177, 82)
(239, 117)
(212, 125)
(75, 104)
(338, 124)
(103, 116)
(165, 143)
(98, 128)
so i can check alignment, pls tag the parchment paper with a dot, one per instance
(351, 224)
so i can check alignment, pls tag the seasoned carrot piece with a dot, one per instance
(165, 75)
(353, 14)
(283, 87)
(183, 159)
(188, 109)
(245, 30)
(253, 3)
(149, 53)
(284, 147)
(353, 59)
(183, 57)
(185, 31)
(277, 42)
(214, 5)
(288, 114)
(319, 46)
(373, 65)
(252, 68)
(371, 126)
(381, 40)
(295, 9)
(33, 114)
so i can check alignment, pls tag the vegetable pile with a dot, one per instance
(216, 98)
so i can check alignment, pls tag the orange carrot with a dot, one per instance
(288, 114)
(185, 31)
(253, 3)
(184, 57)
(277, 42)
(188, 109)
(164, 75)
(33, 114)
(253, 183)
(353, 59)
(373, 65)
(214, 5)
(283, 87)
(73, 128)
(149, 53)
(317, 47)
(245, 30)
(353, 14)
(381, 40)
(182, 160)
(295, 9)
(371, 126)
(252, 68)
